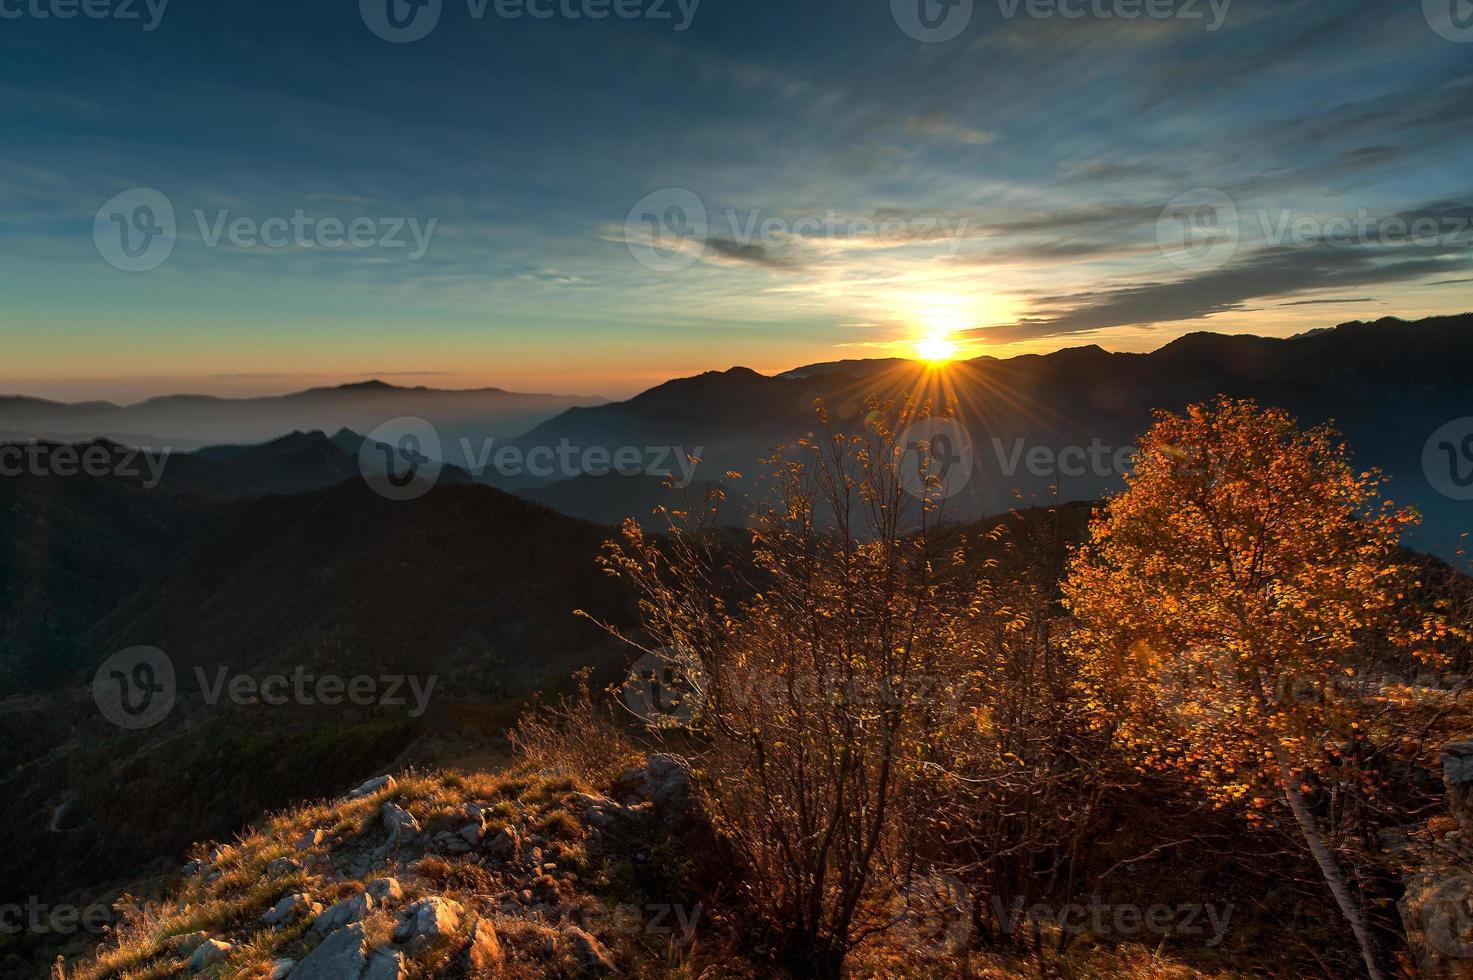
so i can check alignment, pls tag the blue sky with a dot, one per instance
(1010, 189)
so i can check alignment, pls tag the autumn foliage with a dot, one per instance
(1228, 606)
(904, 728)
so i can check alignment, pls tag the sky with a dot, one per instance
(545, 199)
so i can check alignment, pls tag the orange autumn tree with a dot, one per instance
(1222, 599)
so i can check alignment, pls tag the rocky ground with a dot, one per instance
(533, 873)
(446, 875)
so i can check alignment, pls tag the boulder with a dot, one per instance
(471, 833)
(506, 843)
(426, 921)
(349, 910)
(399, 822)
(280, 866)
(282, 967)
(451, 843)
(664, 780)
(606, 814)
(371, 787)
(186, 944)
(1437, 910)
(670, 785)
(311, 838)
(593, 959)
(290, 909)
(210, 952)
(338, 957)
(386, 963)
(385, 891)
(483, 950)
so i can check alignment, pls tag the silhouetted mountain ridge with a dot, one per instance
(1388, 385)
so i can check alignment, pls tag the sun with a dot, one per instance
(937, 350)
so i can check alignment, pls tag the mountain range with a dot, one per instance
(192, 421)
(1387, 386)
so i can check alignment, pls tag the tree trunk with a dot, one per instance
(1330, 868)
